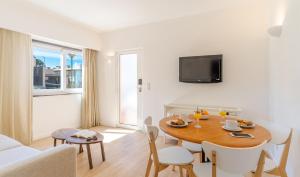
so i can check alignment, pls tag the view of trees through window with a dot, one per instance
(57, 69)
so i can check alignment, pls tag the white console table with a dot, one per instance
(178, 109)
(170, 109)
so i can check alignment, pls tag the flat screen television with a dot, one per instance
(200, 69)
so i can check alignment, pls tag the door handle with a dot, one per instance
(140, 83)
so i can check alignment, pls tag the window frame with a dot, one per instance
(63, 79)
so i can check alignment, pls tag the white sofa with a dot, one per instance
(17, 160)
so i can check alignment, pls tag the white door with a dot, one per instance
(130, 85)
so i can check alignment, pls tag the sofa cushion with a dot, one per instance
(16, 154)
(7, 143)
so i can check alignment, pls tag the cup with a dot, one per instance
(231, 124)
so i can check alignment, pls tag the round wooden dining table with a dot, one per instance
(211, 130)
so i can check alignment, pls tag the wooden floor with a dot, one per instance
(126, 155)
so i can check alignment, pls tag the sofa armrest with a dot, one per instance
(54, 162)
(8, 143)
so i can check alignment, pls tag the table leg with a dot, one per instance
(102, 151)
(80, 148)
(62, 141)
(89, 156)
(54, 143)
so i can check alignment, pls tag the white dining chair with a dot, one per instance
(231, 162)
(148, 120)
(279, 145)
(162, 158)
(193, 148)
(190, 146)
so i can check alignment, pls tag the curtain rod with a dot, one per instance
(57, 45)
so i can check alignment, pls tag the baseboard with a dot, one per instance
(108, 123)
(127, 126)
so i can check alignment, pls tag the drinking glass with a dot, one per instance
(197, 116)
(223, 113)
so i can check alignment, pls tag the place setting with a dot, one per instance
(232, 125)
(177, 121)
(236, 127)
(183, 120)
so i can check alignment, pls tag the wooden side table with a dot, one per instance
(82, 141)
(63, 134)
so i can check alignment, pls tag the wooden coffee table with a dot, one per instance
(63, 134)
(82, 141)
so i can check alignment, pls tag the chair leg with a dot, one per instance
(187, 173)
(148, 167)
(200, 157)
(190, 172)
(54, 142)
(283, 173)
(156, 173)
(173, 168)
(180, 171)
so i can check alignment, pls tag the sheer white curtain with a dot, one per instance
(16, 85)
(90, 110)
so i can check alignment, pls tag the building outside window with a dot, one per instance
(74, 70)
(56, 69)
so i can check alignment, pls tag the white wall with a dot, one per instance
(239, 34)
(50, 115)
(285, 78)
(23, 17)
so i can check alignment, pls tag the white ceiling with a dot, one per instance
(106, 15)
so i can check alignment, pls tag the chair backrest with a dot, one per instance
(151, 129)
(279, 132)
(285, 153)
(280, 143)
(152, 133)
(148, 120)
(234, 160)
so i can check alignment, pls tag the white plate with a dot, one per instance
(238, 129)
(177, 126)
(246, 126)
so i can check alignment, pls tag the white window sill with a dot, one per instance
(41, 93)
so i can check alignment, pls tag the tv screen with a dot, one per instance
(200, 69)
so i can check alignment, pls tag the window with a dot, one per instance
(56, 68)
(74, 70)
(47, 68)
